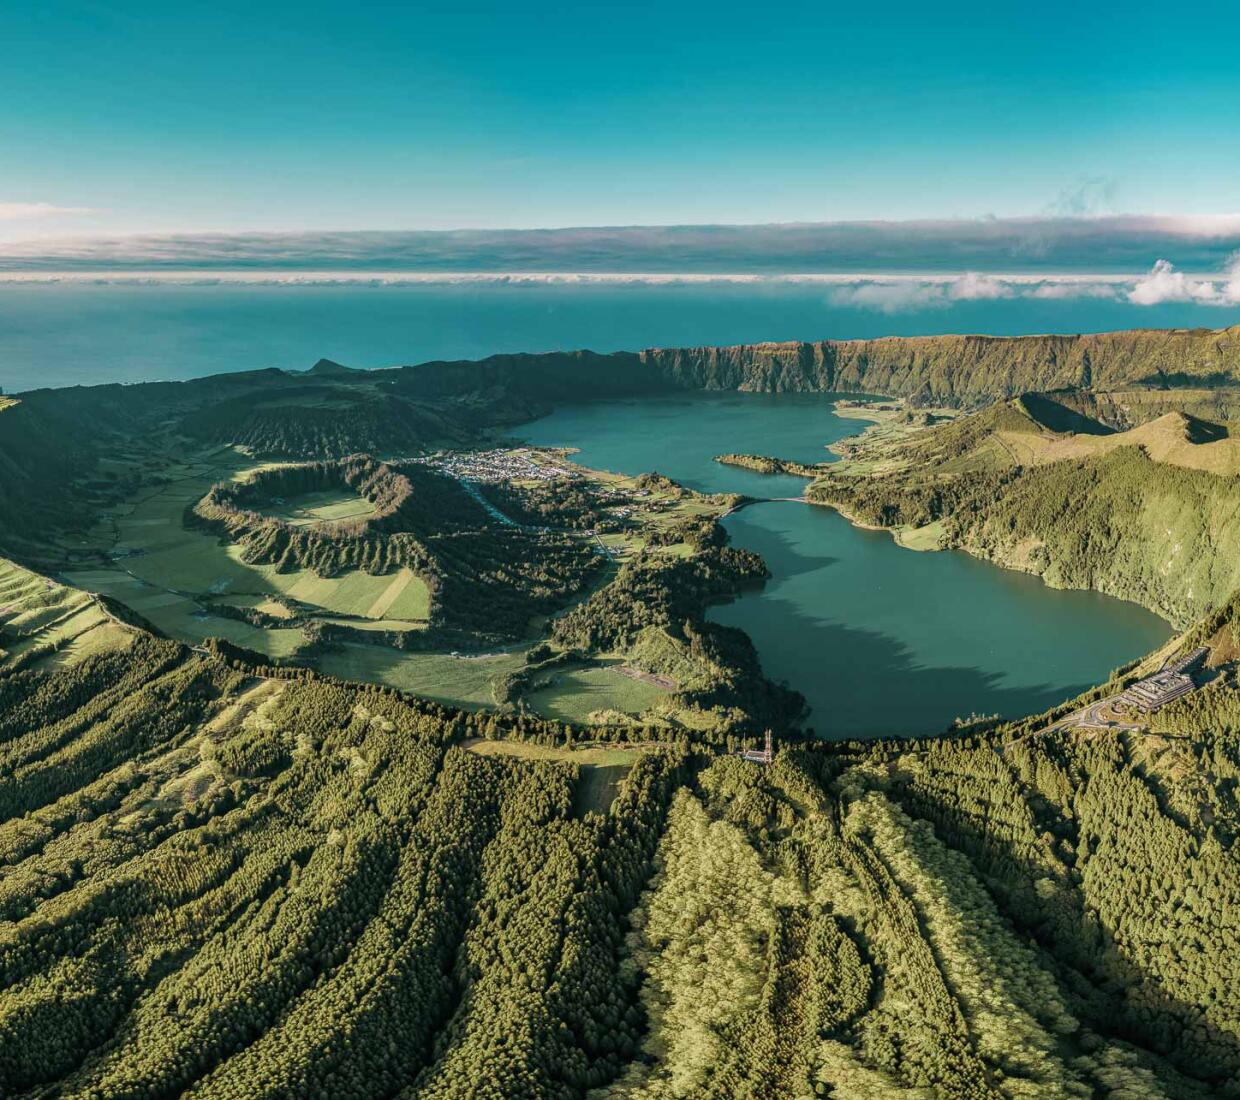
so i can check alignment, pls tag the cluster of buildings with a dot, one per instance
(1168, 683)
(489, 467)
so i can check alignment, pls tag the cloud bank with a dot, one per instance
(1055, 243)
(1165, 284)
(876, 291)
(886, 267)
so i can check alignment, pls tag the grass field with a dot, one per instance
(461, 681)
(163, 570)
(329, 506)
(181, 616)
(1172, 438)
(576, 695)
(266, 604)
(172, 575)
(36, 612)
(921, 538)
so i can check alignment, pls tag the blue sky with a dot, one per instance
(230, 117)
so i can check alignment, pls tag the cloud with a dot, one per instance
(889, 297)
(1074, 289)
(876, 291)
(1231, 288)
(12, 211)
(1165, 284)
(974, 287)
(893, 295)
(1052, 244)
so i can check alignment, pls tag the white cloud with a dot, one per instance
(12, 211)
(1057, 291)
(1165, 284)
(891, 297)
(973, 287)
(876, 291)
(1231, 288)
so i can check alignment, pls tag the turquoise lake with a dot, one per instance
(879, 639)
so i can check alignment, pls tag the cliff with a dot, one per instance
(962, 370)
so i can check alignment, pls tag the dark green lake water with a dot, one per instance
(879, 639)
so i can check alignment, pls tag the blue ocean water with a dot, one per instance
(64, 334)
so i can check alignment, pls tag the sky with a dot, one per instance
(158, 118)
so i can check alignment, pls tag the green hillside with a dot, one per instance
(223, 884)
(1150, 515)
(1159, 535)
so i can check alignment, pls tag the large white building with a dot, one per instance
(1170, 682)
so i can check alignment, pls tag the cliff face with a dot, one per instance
(962, 370)
(537, 377)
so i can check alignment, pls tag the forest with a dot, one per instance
(224, 879)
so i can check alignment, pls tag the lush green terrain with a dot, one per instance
(1151, 514)
(963, 370)
(222, 883)
(515, 859)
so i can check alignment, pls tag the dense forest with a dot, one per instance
(228, 880)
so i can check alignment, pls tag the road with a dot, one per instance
(471, 487)
(1100, 715)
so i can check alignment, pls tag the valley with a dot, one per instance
(393, 753)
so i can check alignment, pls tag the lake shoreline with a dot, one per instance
(882, 643)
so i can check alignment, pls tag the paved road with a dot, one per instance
(1100, 715)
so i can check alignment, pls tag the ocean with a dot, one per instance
(73, 333)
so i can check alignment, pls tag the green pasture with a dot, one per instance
(328, 506)
(573, 695)
(459, 681)
(163, 570)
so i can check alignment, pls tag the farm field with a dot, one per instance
(183, 580)
(577, 695)
(166, 571)
(181, 617)
(460, 681)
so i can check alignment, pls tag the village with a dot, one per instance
(502, 464)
